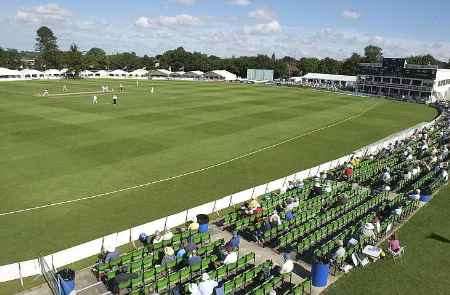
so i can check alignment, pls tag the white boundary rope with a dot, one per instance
(190, 172)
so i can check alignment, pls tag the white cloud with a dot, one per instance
(262, 14)
(186, 2)
(351, 14)
(167, 21)
(240, 2)
(43, 13)
(266, 28)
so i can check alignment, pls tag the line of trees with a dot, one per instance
(48, 55)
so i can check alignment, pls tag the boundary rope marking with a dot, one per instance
(336, 123)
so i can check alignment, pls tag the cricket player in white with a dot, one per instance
(152, 90)
(94, 99)
(114, 99)
(45, 92)
(64, 88)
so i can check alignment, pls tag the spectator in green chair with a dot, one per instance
(194, 258)
(368, 232)
(275, 219)
(220, 289)
(340, 253)
(194, 289)
(235, 241)
(193, 225)
(288, 265)
(181, 252)
(110, 253)
(207, 285)
(230, 256)
(169, 255)
(157, 238)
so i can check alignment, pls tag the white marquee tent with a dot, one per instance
(86, 74)
(32, 74)
(221, 75)
(7, 74)
(101, 74)
(118, 74)
(139, 73)
(52, 73)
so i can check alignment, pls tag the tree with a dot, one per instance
(46, 45)
(95, 58)
(424, 60)
(350, 65)
(309, 65)
(73, 60)
(330, 66)
(373, 54)
(10, 58)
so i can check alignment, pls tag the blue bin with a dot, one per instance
(203, 228)
(319, 274)
(66, 278)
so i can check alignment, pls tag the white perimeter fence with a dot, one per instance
(20, 270)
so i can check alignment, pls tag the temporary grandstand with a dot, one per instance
(222, 75)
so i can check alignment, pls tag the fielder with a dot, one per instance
(64, 88)
(152, 90)
(94, 99)
(122, 89)
(45, 93)
(114, 99)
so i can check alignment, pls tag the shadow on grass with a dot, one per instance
(438, 238)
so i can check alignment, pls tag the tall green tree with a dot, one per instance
(373, 54)
(73, 60)
(350, 65)
(47, 46)
(10, 58)
(95, 59)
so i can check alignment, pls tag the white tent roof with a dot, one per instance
(443, 74)
(86, 72)
(139, 72)
(225, 74)
(198, 73)
(102, 72)
(63, 71)
(329, 77)
(30, 72)
(118, 72)
(8, 72)
(52, 72)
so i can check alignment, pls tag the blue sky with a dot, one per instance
(235, 27)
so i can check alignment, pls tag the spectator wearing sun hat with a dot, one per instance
(169, 255)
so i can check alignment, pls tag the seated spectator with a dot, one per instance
(110, 253)
(386, 176)
(288, 264)
(144, 239)
(167, 235)
(157, 238)
(289, 215)
(342, 199)
(354, 161)
(194, 289)
(235, 241)
(252, 207)
(291, 185)
(194, 258)
(292, 203)
(258, 234)
(368, 231)
(191, 246)
(193, 225)
(275, 219)
(317, 188)
(348, 172)
(181, 252)
(207, 285)
(340, 252)
(230, 257)
(169, 255)
(220, 289)
(394, 243)
(122, 275)
(415, 195)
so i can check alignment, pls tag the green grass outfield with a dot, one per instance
(61, 148)
(425, 267)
